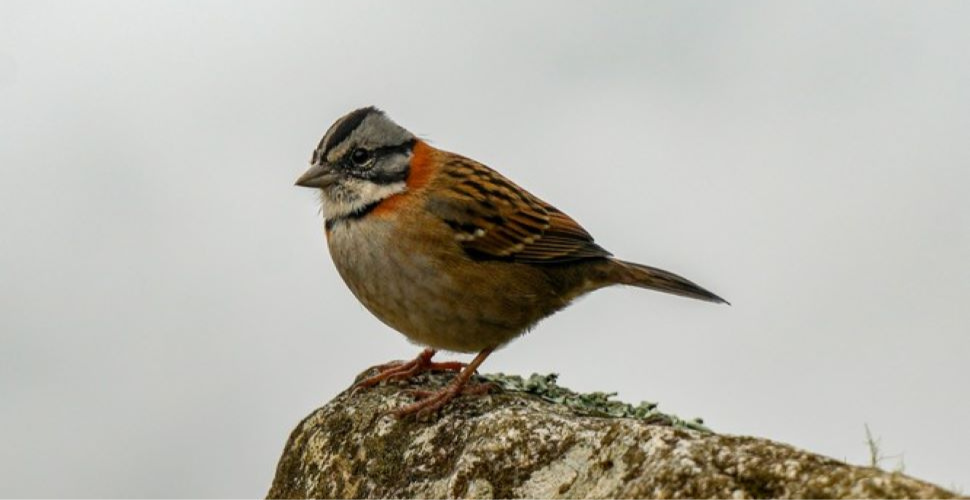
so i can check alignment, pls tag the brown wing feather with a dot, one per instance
(494, 218)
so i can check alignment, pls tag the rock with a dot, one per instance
(550, 443)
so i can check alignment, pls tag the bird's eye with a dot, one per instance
(360, 156)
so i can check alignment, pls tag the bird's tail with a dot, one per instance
(629, 273)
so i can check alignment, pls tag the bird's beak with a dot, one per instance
(320, 176)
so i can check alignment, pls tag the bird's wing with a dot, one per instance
(494, 218)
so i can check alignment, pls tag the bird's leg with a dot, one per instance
(433, 401)
(403, 371)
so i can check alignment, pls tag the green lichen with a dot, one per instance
(593, 403)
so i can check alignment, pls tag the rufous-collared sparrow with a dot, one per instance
(449, 252)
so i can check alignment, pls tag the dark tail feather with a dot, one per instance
(629, 273)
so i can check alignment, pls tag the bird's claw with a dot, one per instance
(401, 370)
(432, 401)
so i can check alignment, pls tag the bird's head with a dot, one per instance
(362, 159)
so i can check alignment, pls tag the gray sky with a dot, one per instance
(168, 311)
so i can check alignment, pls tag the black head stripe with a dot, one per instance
(380, 176)
(347, 126)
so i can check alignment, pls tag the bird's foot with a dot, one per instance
(432, 401)
(397, 370)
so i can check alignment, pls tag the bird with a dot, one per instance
(451, 253)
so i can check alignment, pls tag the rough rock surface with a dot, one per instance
(513, 445)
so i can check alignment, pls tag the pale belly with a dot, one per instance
(433, 294)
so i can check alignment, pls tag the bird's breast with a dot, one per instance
(405, 286)
(379, 270)
(429, 290)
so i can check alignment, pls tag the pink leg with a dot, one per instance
(404, 371)
(434, 401)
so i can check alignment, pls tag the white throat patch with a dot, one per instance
(353, 195)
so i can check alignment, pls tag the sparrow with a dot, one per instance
(451, 253)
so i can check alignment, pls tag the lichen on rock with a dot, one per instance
(593, 403)
(535, 439)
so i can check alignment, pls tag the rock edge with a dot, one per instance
(517, 445)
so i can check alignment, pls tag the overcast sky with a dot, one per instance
(168, 310)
